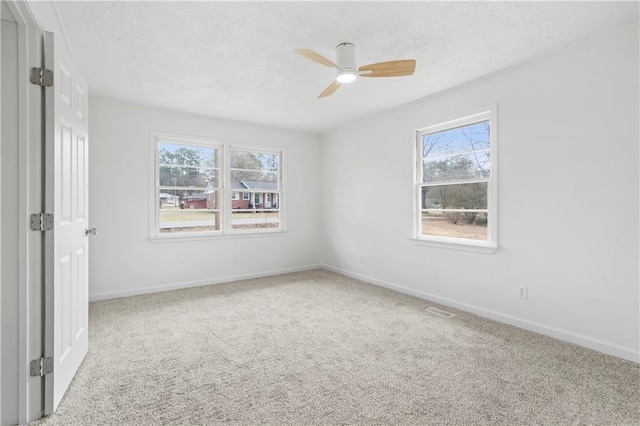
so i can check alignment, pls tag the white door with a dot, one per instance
(66, 118)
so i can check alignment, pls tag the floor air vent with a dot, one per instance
(439, 312)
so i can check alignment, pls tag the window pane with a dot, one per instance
(183, 212)
(188, 177)
(255, 179)
(459, 139)
(257, 201)
(191, 182)
(469, 225)
(254, 170)
(186, 155)
(258, 219)
(476, 165)
(254, 161)
(184, 165)
(456, 196)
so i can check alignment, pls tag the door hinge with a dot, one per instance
(41, 77)
(41, 367)
(41, 222)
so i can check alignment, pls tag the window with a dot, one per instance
(188, 178)
(259, 172)
(455, 182)
(192, 178)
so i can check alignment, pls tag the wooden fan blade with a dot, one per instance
(388, 69)
(310, 54)
(329, 90)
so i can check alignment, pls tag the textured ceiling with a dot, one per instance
(236, 60)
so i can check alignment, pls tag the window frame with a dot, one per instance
(459, 120)
(226, 203)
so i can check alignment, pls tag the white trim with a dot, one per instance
(556, 333)
(227, 206)
(189, 188)
(454, 182)
(29, 244)
(200, 283)
(282, 206)
(225, 148)
(454, 123)
(451, 121)
(475, 246)
(155, 139)
(186, 139)
(455, 210)
(201, 236)
(238, 169)
(251, 149)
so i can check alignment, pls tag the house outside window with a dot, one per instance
(259, 172)
(188, 187)
(191, 178)
(456, 184)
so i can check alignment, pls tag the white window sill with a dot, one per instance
(181, 238)
(457, 244)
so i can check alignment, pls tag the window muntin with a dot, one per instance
(192, 178)
(454, 183)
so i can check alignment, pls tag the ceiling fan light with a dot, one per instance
(346, 76)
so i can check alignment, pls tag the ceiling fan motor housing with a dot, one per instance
(346, 59)
(346, 56)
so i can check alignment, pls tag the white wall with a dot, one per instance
(124, 261)
(568, 198)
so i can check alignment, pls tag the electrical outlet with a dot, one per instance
(236, 260)
(361, 260)
(522, 293)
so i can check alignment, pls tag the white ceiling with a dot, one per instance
(236, 60)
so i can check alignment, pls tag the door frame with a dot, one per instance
(30, 200)
(47, 307)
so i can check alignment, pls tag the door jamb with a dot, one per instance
(31, 184)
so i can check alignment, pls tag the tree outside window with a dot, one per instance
(191, 178)
(454, 180)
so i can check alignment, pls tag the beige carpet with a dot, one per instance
(319, 348)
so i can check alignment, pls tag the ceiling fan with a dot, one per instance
(347, 71)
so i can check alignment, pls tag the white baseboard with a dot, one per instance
(567, 336)
(156, 289)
